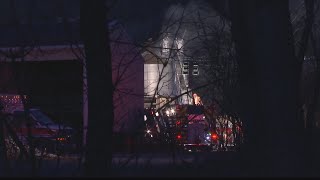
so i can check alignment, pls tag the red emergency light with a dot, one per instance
(179, 136)
(214, 136)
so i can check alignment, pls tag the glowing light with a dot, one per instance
(148, 131)
(172, 111)
(157, 114)
(61, 139)
(145, 117)
(167, 112)
(214, 136)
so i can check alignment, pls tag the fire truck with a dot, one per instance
(194, 128)
(198, 130)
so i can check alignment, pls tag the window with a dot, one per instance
(195, 70)
(185, 68)
(41, 117)
(165, 45)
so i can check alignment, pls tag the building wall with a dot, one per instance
(151, 79)
(127, 75)
(127, 72)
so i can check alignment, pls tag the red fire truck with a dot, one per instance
(197, 130)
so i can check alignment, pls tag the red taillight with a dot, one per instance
(61, 139)
(179, 136)
(214, 136)
(178, 122)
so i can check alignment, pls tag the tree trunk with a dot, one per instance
(3, 149)
(269, 85)
(95, 35)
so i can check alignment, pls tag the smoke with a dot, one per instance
(194, 22)
(198, 33)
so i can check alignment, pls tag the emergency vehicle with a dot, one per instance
(47, 135)
(192, 128)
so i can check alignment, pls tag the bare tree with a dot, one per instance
(100, 87)
(13, 55)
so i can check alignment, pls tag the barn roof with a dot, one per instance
(59, 33)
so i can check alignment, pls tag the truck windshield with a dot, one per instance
(41, 117)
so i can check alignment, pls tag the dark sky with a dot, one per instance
(142, 18)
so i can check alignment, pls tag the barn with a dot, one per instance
(47, 63)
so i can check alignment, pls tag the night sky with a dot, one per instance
(142, 18)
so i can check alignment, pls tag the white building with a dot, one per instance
(164, 78)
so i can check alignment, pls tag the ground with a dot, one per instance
(168, 164)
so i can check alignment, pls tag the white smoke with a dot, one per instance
(191, 24)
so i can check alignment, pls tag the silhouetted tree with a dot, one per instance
(94, 32)
(269, 84)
